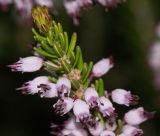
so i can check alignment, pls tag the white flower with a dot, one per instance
(48, 90)
(96, 130)
(33, 86)
(85, 3)
(81, 111)
(111, 124)
(123, 97)
(129, 130)
(63, 86)
(73, 9)
(28, 64)
(106, 107)
(63, 106)
(102, 67)
(137, 116)
(107, 133)
(91, 97)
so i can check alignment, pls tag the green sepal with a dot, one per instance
(100, 87)
(52, 79)
(119, 127)
(75, 84)
(88, 72)
(72, 44)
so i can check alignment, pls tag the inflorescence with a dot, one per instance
(90, 107)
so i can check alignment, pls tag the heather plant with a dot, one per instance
(76, 85)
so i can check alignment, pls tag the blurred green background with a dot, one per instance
(125, 32)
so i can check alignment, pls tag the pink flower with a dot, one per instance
(85, 3)
(129, 130)
(48, 3)
(91, 97)
(63, 106)
(137, 116)
(63, 86)
(106, 107)
(32, 87)
(123, 97)
(48, 90)
(102, 67)
(81, 111)
(28, 64)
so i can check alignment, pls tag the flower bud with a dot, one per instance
(28, 64)
(107, 133)
(48, 90)
(32, 87)
(129, 130)
(102, 67)
(91, 97)
(106, 107)
(123, 97)
(42, 18)
(63, 86)
(81, 111)
(63, 106)
(137, 116)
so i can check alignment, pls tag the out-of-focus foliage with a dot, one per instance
(126, 33)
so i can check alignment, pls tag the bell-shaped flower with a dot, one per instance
(123, 97)
(129, 130)
(102, 67)
(63, 86)
(96, 130)
(32, 86)
(28, 64)
(137, 116)
(81, 111)
(63, 105)
(48, 90)
(106, 107)
(91, 97)
(107, 133)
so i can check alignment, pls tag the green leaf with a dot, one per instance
(80, 61)
(72, 58)
(78, 50)
(86, 84)
(66, 41)
(52, 67)
(88, 72)
(120, 125)
(47, 48)
(42, 52)
(75, 84)
(52, 79)
(72, 44)
(58, 50)
(97, 85)
(66, 66)
(38, 36)
(60, 27)
(84, 70)
(100, 87)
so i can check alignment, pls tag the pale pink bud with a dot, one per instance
(96, 130)
(48, 90)
(81, 111)
(63, 86)
(107, 133)
(123, 97)
(91, 97)
(137, 116)
(102, 67)
(32, 87)
(106, 107)
(129, 130)
(28, 64)
(73, 9)
(63, 105)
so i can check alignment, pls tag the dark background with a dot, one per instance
(126, 33)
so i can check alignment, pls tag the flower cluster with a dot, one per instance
(91, 108)
(73, 7)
